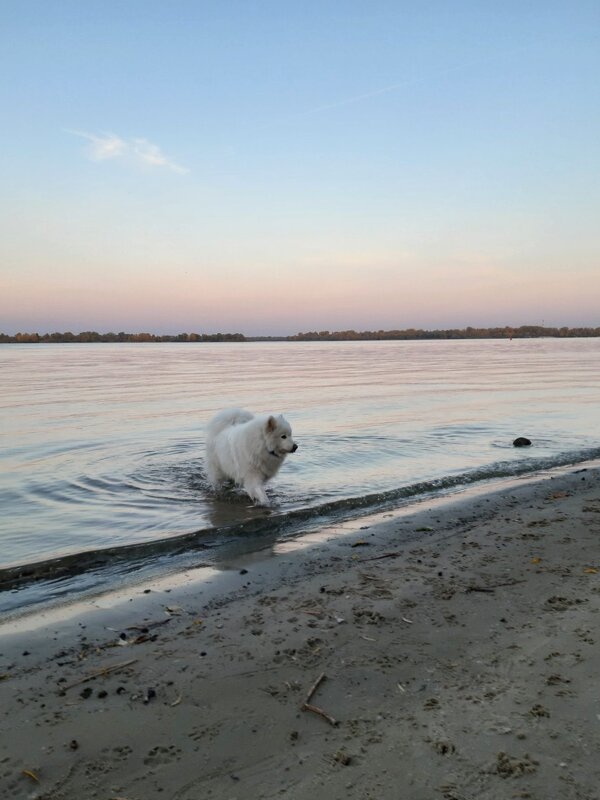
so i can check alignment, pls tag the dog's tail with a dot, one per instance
(224, 419)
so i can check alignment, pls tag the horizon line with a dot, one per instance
(348, 334)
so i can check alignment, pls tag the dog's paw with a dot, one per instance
(260, 500)
(266, 503)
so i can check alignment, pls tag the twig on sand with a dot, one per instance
(307, 705)
(321, 713)
(315, 686)
(99, 673)
(385, 555)
(148, 625)
(491, 587)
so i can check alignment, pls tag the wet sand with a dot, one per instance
(452, 653)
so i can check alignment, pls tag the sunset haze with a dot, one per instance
(272, 168)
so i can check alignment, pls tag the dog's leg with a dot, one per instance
(215, 477)
(253, 486)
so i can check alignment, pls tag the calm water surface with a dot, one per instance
(102, 444)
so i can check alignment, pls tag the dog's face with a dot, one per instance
(278, 435)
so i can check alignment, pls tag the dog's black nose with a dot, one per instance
(294, 448)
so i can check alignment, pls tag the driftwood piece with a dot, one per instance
(99, 673)
(491, 587)
(315, 686)
(308, 706)
(320, 713)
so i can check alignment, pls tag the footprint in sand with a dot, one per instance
(162, 755)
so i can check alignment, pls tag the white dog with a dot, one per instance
(247, 449)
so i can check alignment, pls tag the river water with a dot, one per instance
(102, 444)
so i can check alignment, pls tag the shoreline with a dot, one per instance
(115, 564)
(456, 639)
(506, 332)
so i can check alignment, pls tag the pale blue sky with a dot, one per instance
(274, 167)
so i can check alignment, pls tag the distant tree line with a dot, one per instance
(94, 336)
(522, 332)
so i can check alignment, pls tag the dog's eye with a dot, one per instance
(284, 436)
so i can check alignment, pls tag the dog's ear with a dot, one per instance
(271, 424)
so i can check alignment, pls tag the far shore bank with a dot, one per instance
(407, 334)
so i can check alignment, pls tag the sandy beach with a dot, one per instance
(447, 653)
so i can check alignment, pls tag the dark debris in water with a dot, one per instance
(522, 441)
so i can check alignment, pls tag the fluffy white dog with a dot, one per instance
(247, 449)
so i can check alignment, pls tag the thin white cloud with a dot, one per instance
(105, 146)
(151, 154)
(394, 87)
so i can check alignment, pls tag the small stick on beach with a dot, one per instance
(148, 625)
(491, 587)
(99, 673)
(385, 555)
(307, 706)
(320, 712)
(315, 686)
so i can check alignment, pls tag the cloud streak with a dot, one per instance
(394, 87)
(109, 146)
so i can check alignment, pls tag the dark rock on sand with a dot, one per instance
(521, 441)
